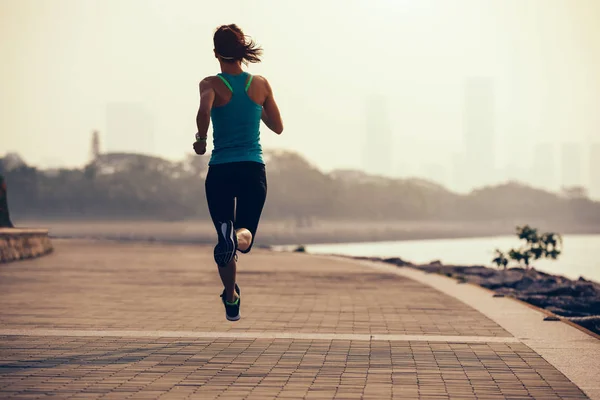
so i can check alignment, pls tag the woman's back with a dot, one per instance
(236, 119)
(235, 101)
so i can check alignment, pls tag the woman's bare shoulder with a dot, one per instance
(209, 80)
(262, 81)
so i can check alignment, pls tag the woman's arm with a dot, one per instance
(207, 98)
(270, 114)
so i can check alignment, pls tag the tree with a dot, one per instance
(536, 246)
(122, 185)
(575, 192)
(500, 260)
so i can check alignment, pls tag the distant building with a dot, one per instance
(378, 148)
(571, 164)
(129, 128)
(459, 171)
(95, 146)
(543, 167)
(479, 131)
(594, 159)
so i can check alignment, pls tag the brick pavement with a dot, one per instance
(145, 288)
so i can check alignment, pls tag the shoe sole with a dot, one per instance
(233, 319)
(225, 249)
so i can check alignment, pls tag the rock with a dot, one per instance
(591, 322)
(397, 261)
(558, 311)
(575, 306)
(537, 300)
(577, 290)
(539, 274)
(517, 269)
(484, 272)
(521, 284)
(551, 318)
(587, 289)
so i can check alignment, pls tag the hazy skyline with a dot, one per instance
(479, 153)
(377, 157)
(594, 169)
(129, 128)
(64, 61)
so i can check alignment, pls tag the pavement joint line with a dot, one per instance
(258, 335)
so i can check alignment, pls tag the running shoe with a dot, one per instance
(232, 310)
(225, 250)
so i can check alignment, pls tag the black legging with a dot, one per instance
(245, 182)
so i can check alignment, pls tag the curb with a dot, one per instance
(23, 244)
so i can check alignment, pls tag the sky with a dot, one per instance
(66, 62)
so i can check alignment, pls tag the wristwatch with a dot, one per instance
(199, 138)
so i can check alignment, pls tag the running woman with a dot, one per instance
(236, 183)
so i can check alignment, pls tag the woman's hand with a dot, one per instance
(200, 148)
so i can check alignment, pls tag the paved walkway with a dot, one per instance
(108, 320)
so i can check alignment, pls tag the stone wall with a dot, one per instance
(21, 244)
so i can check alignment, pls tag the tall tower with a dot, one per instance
(479, 127)
(543, 171)
(594, 160)
(95, 148)
(377, 156)
(571, 164)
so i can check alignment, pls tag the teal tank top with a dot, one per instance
(236, 125)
